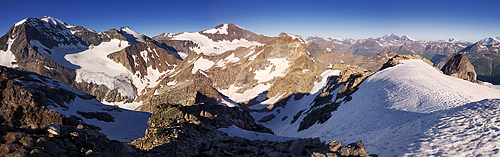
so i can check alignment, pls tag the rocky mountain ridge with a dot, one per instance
(214, 41)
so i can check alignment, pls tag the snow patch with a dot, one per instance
(228, 102)
(324, 80)
(7, 58)
(229, 59)
(20, 22)
(128, 125)
(202, 64)
(277, 68)
(222, 30)
(246, 95)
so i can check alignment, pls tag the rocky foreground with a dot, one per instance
(28, 128)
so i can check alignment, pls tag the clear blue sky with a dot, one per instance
(421, 19)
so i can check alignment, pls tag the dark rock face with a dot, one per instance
(25, 107)
(459, 66)
(176, 46)
(90, 37)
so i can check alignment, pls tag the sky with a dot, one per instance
(357, 19)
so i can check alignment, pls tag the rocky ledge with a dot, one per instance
(177, 130)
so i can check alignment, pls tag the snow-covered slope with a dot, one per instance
(7, 58)
(490, 40)
(132, 36)
(126, 125)
(386, 109)
(94, 66)
(209, 47)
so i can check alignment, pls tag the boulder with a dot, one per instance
(459, 66)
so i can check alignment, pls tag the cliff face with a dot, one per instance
(459, 66)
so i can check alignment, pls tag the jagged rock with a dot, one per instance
(334, 146)
(459, 66)
(54, 129)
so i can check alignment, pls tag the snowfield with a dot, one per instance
(94, 66)
(6, 57)
(202, 64)
(132, 36)
(410, 109)
(126, 127)
(277, 68)
(212, 48)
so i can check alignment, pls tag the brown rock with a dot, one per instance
(334, 146)
(459, 66)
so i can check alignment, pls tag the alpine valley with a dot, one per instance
(69, 90)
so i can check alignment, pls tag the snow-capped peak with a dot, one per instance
(132, 36)
(218, 30)
(407, 38)
(388, 38)
(21, 22)
(55, 21)
(490, 40)
(450, 40)
(295, 37)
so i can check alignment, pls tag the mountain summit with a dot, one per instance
(214, 41)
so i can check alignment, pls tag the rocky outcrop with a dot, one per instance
(459, 66)
(28, 128)
(138, 57)
(395, 60)
(176, 46)
(192, 131)
(90, 37)
(484, 58)
(196, 88)
(102, 92)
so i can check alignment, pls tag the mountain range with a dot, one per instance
(227, 91)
